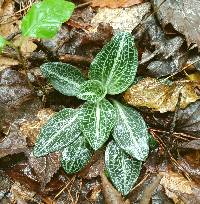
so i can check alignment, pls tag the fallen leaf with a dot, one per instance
(115, 3)
(14, 88)
(188, 120)
(121, 19)
(44, 167)
(31, 128)
(179, 189)
(183, 15)
(111, 195)
(152, 93)
(13, 143)
(194, 144)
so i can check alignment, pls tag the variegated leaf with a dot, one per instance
(92, 90)
(96, 122)
(64, 77)
(61, 130)
(75, 156)
(122, 169)
(130, 132)
(116, 65)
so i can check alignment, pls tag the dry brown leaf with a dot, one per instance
(115, 3)
(121, 19)
(8, 21)
(7, 62)
(151, 93)
(31, 129)
(178, 188)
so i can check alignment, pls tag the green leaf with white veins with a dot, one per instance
(96, 122)
(92, 90)
(64, 77)
(75, 156)
(116, 64)
(130, 132)
(44, 19)
(60, 131)
(122, 169)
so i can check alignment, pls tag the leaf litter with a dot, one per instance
(162, 52)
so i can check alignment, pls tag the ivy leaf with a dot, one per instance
(92, 90)
(45, 18)
(122, 169)
(61, 130)
(130, 132)
(64, 77)
(96, 122)
(116, 65)
(75, 156)
(3, 43)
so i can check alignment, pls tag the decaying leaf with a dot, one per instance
(183, 15)
(31, 129)
(188, 120)
(45, 167)
(112, 196)
(115, 3)
(7, 62)
(179, 188)
(121, 19)
(154, 94)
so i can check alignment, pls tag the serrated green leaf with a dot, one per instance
(92, 90)
(130, 132)
(64, 77)
(96, 122)
(123, 170)
(3, 43)
(116, 65)
(75, 156)
(61, 130)
(45, 18)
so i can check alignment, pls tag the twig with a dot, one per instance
(84, 4)
(75, 59)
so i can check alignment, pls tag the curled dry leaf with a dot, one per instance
(115, 3)
(152, 93)
(183, 15)
(121, 19)
(179, 189)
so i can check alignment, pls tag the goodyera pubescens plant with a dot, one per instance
(77, 133)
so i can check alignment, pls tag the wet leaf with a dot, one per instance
(92, 90)
(75, 156)
(97, 121)
(123, 170)
(115, 3)
(64, 77)
(154, 94)
(116, 64)
(188, 120)
(61, 130)
(183, 15)
(45, 18)
(130, 132)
